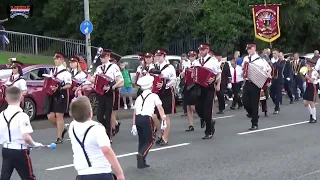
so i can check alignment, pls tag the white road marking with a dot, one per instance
(271, 128)
(221, 117)
(305, 175)
(124, 155)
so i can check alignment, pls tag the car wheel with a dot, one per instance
(94, 102)
(30, 108)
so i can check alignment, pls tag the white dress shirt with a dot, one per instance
(79, 76)
(314, 76)
(141, 69)
(317, 67)
(63, 76)
(238, 70)
(212, 64)
(21, 83)
(168, 73)
(185, 64)
(113, 72)
(195, 63)
(95, 139)
(257, 60)
(19, 125)
(150, 103)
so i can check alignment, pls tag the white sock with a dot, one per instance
(314, 113)
(310, 110)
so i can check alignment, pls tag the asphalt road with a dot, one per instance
(285, 147)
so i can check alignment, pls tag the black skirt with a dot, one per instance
(57, 103)
(191, 95)
(311, 92)
(116, 100)
(168, 102)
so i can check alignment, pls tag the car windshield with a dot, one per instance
(175, 62)
(131, 64)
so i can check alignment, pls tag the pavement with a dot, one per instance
(286, 147)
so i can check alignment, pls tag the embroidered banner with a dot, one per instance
(266, 22)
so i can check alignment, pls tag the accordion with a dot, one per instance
(50, 82)
(188, 76)
(76, 83)
(202, 75)
(257, 75)
(157, 79)
(101, 81)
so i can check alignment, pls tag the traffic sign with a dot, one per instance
(86, 27)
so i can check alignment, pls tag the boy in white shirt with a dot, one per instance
(142, 118)
(92, 155)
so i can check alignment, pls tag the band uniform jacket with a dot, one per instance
(287, 72)
(277, 70)
(225, 74)
(296, 65)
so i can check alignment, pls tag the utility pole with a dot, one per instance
(88, 40)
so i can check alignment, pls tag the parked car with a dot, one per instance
(34, 100)
(132, 62)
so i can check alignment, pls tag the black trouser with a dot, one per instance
(288, 89)
(105, 176)
(235, 91)
(145, 132)
(276, 93)
(297, 83)
(221, 100)
(105, 105)
(19, 160)
(264, 106)
(204, 107)
(251, 98)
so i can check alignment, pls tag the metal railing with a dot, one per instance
(45, 46)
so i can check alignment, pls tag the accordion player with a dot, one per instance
(100, 82)
(157, 79)
(50, 83)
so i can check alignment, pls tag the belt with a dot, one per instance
(15, 146)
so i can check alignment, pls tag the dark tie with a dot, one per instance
(249, 58)
(55, 71)
(235, 76)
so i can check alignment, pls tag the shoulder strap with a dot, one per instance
(16, 80)
(164, 67)
(63, 70)
(144, 99)
(255, 59)
(82, 143)
(8, 123)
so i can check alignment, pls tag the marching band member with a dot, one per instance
(146, 66)
(16, 79)
(225, 80)
(205, 102)
(251, 92)
(237, 81)
(139, 71)
(168, 72)
(142, 119)
(15, 130)
(309, 98)
(57, 104)
(297, 81)
(108, 102)
(264, 96)
(156, 62)
(93, 156)
(287, 75)
(190, 96)
(277, 80)
(185, 63)
(78, 72)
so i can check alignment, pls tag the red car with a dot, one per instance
(34, 100)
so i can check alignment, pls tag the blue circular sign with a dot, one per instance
(86, 27)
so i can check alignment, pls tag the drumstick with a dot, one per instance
(51, 146)
(99, 52)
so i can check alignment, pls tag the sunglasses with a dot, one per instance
(14, 67)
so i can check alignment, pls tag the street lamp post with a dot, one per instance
(88, 40)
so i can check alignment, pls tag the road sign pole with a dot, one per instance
(88, 40)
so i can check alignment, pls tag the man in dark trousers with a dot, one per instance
(225, 79)
(287, 76)
(277, 80)
(297, 81)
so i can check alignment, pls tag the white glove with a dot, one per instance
(37, 145)
(163, 125)
(144, 71)
(229, 86)
(134, 130)
(288, 79)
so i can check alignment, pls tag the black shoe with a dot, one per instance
(59, 141)
(113, 131)
(191, 128)
(253, 128)
(163, 143)
(249, 115)
(313, 121)
(220, 112)
(118, 128)
(310, 117)
(276, 112)
(159, 140)
(266, 114)
(140, 162)
(145, 164)
(203, 123)
(296, 99)
(233, 108)
(64, 132)
(240, 107)
(185, 114)
(207, 136)
(291, 101)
